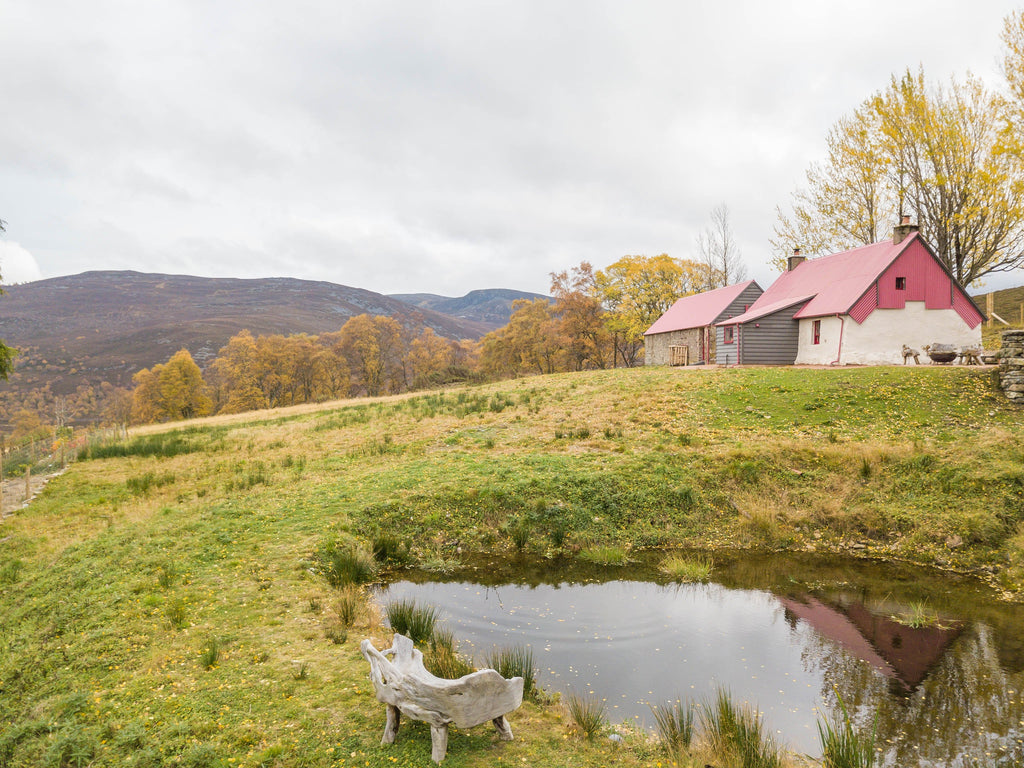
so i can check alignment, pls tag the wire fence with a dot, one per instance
(25, 465)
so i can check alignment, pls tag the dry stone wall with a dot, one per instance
(1011, 366)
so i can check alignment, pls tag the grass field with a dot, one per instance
(164, 603)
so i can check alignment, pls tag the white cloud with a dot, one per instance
(17, 265)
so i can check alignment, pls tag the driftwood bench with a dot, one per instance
(406, 687)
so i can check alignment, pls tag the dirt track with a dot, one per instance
(14, 497)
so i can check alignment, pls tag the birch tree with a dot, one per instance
(944, 155)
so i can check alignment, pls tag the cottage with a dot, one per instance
(686, 334)
(856, 307)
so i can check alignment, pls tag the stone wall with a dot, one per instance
(1011, 366)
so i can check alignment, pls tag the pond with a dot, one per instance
(934, 659)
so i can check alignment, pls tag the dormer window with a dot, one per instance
(901, 283)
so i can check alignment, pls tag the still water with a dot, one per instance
(785, 633)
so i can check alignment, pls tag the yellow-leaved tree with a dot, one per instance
(636, 291)
(944, 155)
(170, 391)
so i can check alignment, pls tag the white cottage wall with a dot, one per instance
(879, 339)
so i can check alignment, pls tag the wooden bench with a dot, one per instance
(406, 687)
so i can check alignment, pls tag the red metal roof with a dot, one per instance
(832, 283)
(698, 310)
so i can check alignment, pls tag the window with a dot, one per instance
(816, 331)
(901, 283)
(727, 334)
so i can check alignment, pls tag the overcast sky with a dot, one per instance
(417, 146)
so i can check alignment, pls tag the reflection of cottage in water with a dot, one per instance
(902, 653)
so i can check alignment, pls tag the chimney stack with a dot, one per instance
(795, 260)
(902, 230)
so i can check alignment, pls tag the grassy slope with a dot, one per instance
(921, 463)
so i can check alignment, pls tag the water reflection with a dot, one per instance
(942, 695)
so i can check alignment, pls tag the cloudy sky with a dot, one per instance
(418, 146)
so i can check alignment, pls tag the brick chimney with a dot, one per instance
(902, 230)
(795, 260)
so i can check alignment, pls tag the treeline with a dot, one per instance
(368, 356)
(594, 320)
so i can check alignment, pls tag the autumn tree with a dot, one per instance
(234, 380)
(528, 344)
(170, 391)
(430, 357)
(636, 290)
(719, 253)
(182, 388)
(580, 324)
(941, 155)
(374, 348)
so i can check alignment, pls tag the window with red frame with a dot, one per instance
(728, 334)
(816, 331)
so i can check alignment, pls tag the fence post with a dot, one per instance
(28, 482)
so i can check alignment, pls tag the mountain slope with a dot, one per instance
(492, 306)
(104, 326)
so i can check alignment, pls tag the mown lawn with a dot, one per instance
(123, 579)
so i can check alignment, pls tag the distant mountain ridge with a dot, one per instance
(104, 326)
(492, 306)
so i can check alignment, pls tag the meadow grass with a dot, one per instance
(110, 587)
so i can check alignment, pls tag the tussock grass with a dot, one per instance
(673, 722)
(516, 661)
(605, 554)
(345, 564)
(407, 617)
(588, 714)
(842, 746)
(443, 658)
(737, 731)
(681, 568)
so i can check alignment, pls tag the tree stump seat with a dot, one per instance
(405, 686)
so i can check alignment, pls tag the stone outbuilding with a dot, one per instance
(685, 334)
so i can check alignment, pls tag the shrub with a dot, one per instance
(414, 621)
(516, 661)
(674, 723)
(342, 565)
(587, 713)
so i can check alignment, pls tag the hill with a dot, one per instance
(166, 600)
(104, 326)
(491, 306)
